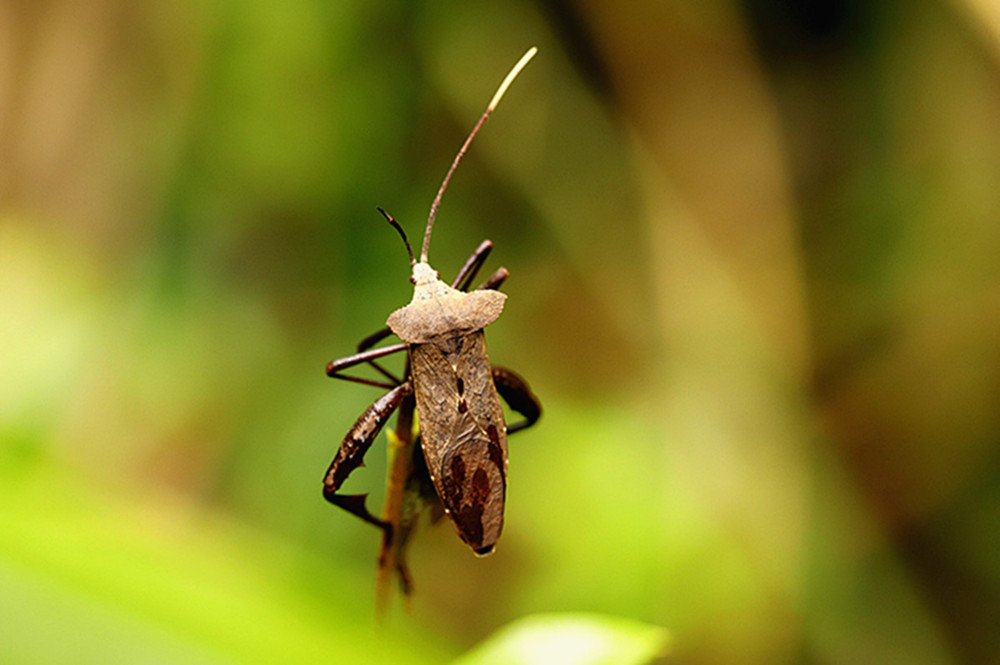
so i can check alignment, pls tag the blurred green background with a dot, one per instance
(755, 258)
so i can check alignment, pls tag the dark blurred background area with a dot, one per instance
(754, 281)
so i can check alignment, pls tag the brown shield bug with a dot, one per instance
(456, 393)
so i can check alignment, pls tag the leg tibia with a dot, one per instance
(352, 451)
(515, 391)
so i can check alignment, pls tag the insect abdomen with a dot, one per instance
(463, 435)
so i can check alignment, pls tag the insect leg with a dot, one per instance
(352, 451)
(515, 391)
(468, 272)
(335, 367)
(471, 268)
(373, 339)
(495, 280)
(369, 342)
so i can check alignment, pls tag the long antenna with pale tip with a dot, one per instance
(402, 233)
(465, 146)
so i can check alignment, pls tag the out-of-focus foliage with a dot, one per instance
(570, 640)
(755, 281)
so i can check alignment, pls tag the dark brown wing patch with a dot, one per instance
(463, 435)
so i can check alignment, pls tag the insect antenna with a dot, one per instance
(465, 146)
(402, 233)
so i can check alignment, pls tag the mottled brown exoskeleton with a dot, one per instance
(463, 435)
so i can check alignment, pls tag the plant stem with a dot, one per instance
(400, 468)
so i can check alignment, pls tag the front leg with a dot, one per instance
(515, 391)
(352, 451)
(472, 265)
(335, 368)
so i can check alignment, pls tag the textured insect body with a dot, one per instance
(456, 393)
(463, 434)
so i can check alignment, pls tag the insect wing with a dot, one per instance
(463, 435)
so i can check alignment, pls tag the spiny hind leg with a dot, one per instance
(352, 451)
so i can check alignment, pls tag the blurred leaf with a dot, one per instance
(95, 577)
(754, 281)
(571, 639)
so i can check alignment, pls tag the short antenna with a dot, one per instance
(402, 233)
(465, 146)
